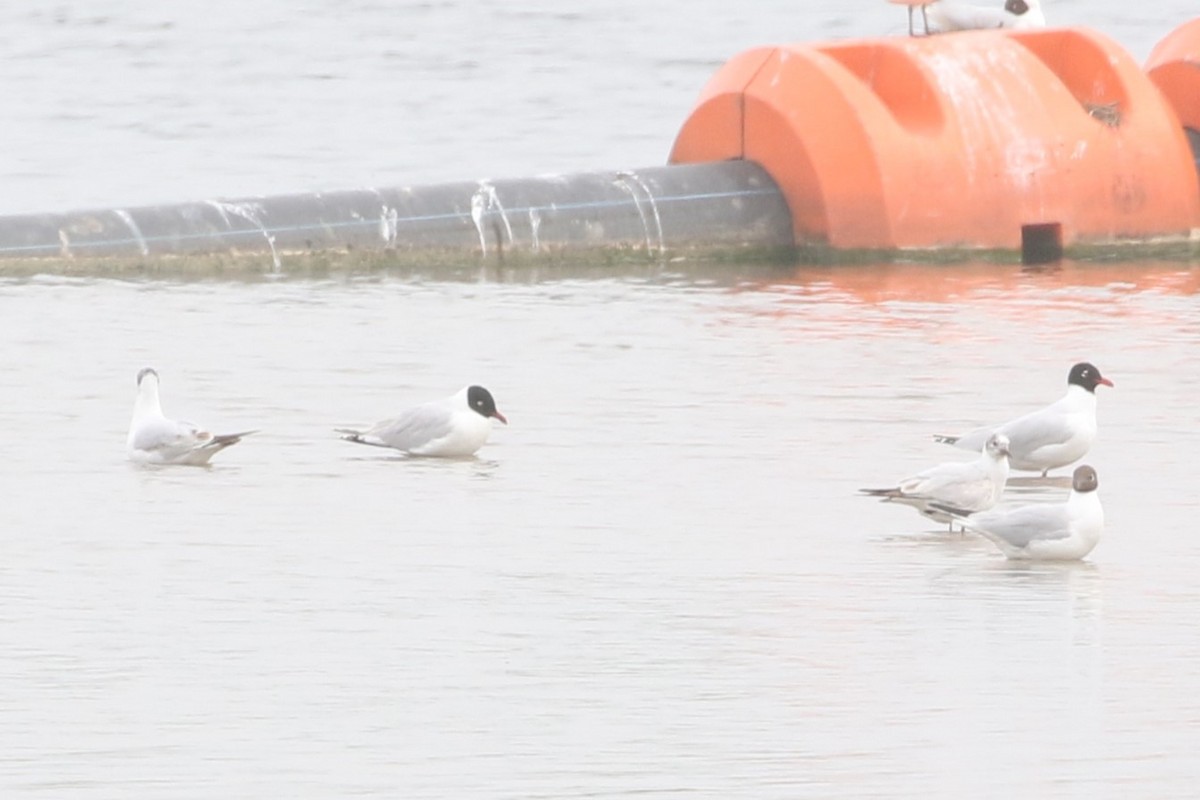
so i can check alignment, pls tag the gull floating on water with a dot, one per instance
(456, 426)
(1054, 436)
(944, 16)
(154, 439)
(975, 485)
(1044, 532)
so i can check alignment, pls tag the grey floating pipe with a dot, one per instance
(863, 149)
(656, 212)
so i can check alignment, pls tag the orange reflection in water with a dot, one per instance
(985, 303)
(944, 283)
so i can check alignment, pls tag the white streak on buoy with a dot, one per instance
(478, 201)
(483, 202)
(535, 224)
(653, 208)
(134, 229)
(632, 184)
(388, 223)
(249, 212)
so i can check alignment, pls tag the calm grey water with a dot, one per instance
(658, 580)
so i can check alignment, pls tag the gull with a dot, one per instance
(1043, 532)
(943, 16)
(155, 439)
(1054, 436)
(453, 427)
(975, 485)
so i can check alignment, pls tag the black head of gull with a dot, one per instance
(1086, 375)
(1085, 479)
(481, 402)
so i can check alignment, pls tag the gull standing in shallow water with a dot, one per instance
(1054, 436)
(154, 439)
(976, 485)
(1059, 532)
(454, 427)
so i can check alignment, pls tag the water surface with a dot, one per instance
(657, 580)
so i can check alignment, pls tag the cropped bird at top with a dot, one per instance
(1044, 532)
(1054, 436)
(454, 427)
(945, 16)
(155, 439)
(975, 485)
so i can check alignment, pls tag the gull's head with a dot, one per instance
(146, 400)
(1020, 8)
(481, 402)
(997, 445)
(1087, 376)
(1085, 479)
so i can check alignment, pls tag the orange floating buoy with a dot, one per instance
(1174, 66)
(981, 139)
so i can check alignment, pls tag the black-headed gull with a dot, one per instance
(454, 427)
(975, 484)
(154, 439)
(1044, 532)
(944, 16)
(1051, 437)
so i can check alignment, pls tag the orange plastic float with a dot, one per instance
(1174, 66)
(975, 139)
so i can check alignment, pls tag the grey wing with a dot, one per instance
(166, 436)
(973, 495)
(959, 485)
(1021, 526)
(972, 441)
(950, 17)
(414, 428)
(1026, 434)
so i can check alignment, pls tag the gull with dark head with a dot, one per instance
(973, 484)
(1054, 436)
(945, 16)
(155, 439)
(1044, 532)
(454, 427)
